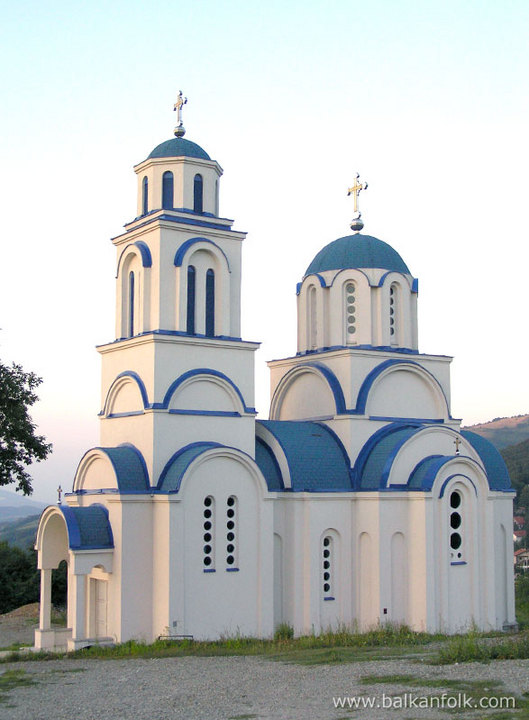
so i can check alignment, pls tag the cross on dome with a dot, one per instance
(355, 190)
(180, 130)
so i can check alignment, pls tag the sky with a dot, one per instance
(427, 100)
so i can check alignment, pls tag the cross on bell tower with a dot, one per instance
(180, 130)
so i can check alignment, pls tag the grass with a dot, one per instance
(472, 648)
(343, 645)
(12, 679)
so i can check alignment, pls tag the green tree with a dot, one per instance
(523, 497)
(19, 445)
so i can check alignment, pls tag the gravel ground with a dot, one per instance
(230, 688)
(227, 688)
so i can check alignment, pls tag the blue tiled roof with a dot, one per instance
(376, 458)
(178, 147)
(357, 251)
(316, 458)
(497, 472)
(174, 470)
(265, 459)
(88, 527)
(425, 472)
(129, 466)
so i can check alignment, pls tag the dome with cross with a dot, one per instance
(357, 251)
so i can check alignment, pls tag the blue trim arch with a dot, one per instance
(365, 389)
(138, 381)
(146, 257)
(184, 247)
(197, 372)
(328, 375)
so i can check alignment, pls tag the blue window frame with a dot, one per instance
(167, 190)
(198, 194)
(191, 282)
(145, 196)
(210, 303)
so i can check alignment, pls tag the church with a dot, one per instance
(359, 502)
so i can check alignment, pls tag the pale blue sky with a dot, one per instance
(427, 100)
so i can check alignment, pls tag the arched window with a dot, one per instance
(167, 190)
(208, 550)
(394, 314)
(191, 277)
(327, 569)
(210, 303)
(131, 304)
(145, 196)
(350, 312)
(198, 194)
(313, 319)
(456, 527)
(231, 534)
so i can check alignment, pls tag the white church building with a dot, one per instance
(359, 502)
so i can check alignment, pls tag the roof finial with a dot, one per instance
(356, 222)
(180, 130)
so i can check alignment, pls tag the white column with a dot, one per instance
(78, 600)
(45, 599)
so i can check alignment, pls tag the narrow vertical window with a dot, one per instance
(131, 304)
(313, 319)
(350, 312)
(191, 277)
(145, 196)
(198, 194)
(327, 568)
(216, 197)
(208, 537)
(210, 303)
(231, 533)
(167, 190)
(456, 527)
(393, 314)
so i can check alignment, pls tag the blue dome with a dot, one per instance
(178, 147)
(357, 251)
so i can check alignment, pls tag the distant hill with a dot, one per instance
(14, 506)
(20, 532)
(503, 432)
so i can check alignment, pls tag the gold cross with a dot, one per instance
(356, 190)
(178, 106)
(59, 495)
(457, 443)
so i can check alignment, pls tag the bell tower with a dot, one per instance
(178, 370)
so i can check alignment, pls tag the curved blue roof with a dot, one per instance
(178, 147)
(357, 251)
(497, 473)
(88, 527)
(129, 466)
(316, 458)
(268, 465)
(174, 470)
(376, 457)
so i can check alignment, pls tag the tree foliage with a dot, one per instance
(19, 445)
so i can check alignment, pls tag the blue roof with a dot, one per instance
(268, 465)
(129, 466)
(357, 251)
(316, 458)
(497, 473)
(174, 470)
(88, 527)
(376, 457)
(178, 147)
